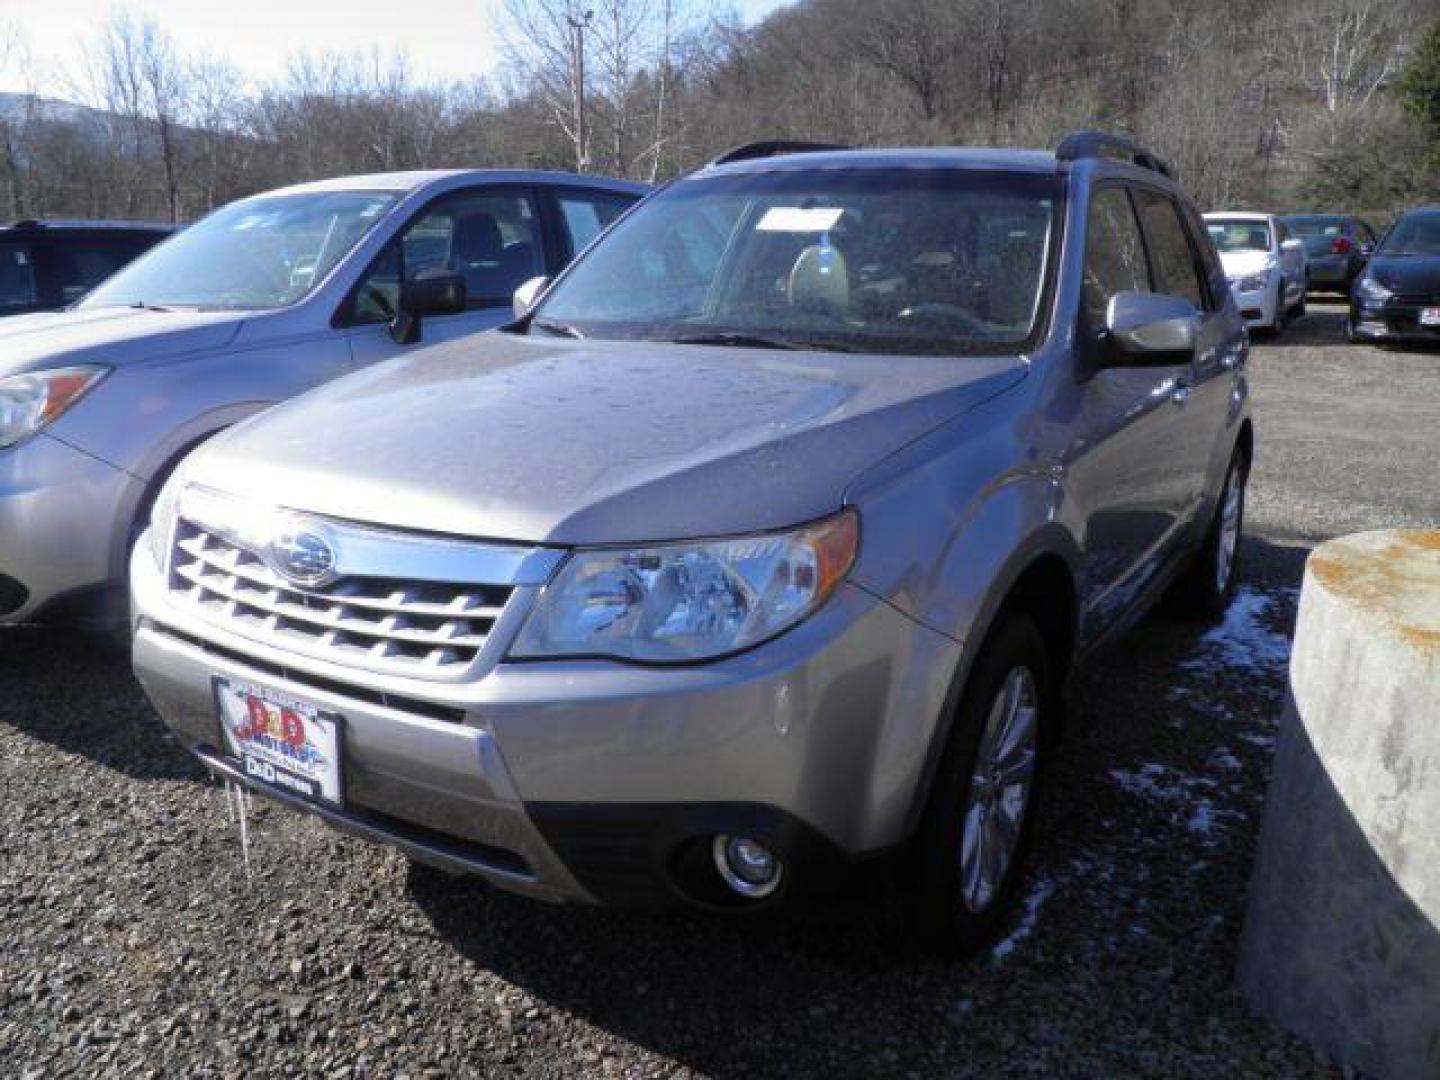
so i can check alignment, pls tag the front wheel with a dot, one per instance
(967, 862)
(1206, 588)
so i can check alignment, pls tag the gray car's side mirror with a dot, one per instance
(526, 295)
(1149, 328)
(1291, 244)
(430, 292)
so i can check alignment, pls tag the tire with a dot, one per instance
(1300, 307)
(948, 908)
(1209, 584)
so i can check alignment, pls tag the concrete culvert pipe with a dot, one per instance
(1342, 936)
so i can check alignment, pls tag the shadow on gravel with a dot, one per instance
(1121, 959)
(75, 690)
(1319, 326)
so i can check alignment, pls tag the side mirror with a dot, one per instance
(430, 292)
(526, 295)
(1291, 244)
(1148, 328)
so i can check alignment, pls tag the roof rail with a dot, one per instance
(772, 148)
(1097, 144)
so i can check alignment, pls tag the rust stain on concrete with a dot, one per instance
(1395, 575)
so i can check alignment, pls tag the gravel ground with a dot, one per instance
(135, 941)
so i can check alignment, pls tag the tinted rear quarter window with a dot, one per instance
(1114, 253)
(18, 290)
(1170, 249)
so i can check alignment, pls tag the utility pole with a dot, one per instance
(578, 26)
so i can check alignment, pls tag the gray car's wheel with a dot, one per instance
(1206, 588)
(969, 853)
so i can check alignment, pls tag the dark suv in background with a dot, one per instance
(1336, 247)
(47, 265)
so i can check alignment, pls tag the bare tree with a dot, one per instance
(547, 43)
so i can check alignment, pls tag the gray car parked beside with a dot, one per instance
(260, 300)
(755, 556)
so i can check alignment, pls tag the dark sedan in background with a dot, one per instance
(1336, 247)
(48, 265)
(1397, 296)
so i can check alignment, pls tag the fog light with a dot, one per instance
(747, 866)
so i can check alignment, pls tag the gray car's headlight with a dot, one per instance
(675, 603)
(29, 402)
(1250, 283)
(162, 516)
(1371, 289)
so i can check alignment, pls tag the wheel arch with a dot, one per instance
(1040, 580)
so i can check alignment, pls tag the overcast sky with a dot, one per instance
(448, 39)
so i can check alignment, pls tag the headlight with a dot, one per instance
(673, 603)
(1370, 289)
(1250, 283)
(29, 402)
(162, 516)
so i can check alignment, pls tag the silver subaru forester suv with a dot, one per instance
(755, 554)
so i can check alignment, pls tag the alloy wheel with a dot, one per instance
(1229, 537)
(1000, 789)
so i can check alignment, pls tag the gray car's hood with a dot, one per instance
(108, 335)
(575, 442)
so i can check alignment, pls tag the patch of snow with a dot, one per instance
(1243, 642)
(1189, 798)
(1225, 760)
(1259, 738)
(1039, 893)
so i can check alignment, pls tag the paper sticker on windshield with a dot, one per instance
(799, 219)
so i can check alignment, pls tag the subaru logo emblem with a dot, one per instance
(302, 554)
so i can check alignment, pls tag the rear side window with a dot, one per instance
(1172, 253)
(1114, 253)
(17, 278)
(71, 266)
(589, 213)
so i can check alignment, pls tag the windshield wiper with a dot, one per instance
(559, 329)
(141, 305)
(743, 341)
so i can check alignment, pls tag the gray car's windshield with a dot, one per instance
(1239, 234)
(918, 261)
(261, 253)
(1413, 234)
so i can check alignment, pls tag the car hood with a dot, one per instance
(572, 442)
(1407, 273)
(1240, 263)
(108, 335)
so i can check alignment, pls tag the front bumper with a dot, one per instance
(1257, 307)
(1391, 320)
(63, 516)
(595, 781)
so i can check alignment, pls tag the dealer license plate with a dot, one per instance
(280, 740)
(1430, 316)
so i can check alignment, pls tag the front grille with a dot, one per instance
(422, 628)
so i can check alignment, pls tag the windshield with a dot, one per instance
(252, 255)
(17, 278)
(934, 262)
(1413, 234)
(1239, 234)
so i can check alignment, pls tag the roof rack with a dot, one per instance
(1107, 144)
(772, 148)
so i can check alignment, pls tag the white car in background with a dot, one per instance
(1265, 265)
